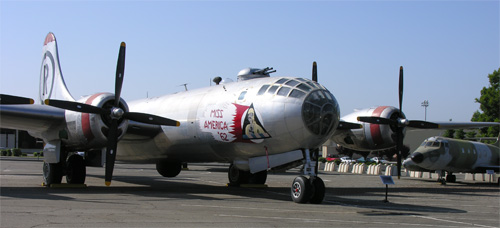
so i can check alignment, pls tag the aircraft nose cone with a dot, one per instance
(320, 112)
(417, 157)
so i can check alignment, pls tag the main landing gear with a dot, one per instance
(74, 169)
(238, 177)
(310, 190)
(449, 177)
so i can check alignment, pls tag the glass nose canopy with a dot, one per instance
(320, 112)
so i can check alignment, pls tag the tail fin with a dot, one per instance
(52, 84)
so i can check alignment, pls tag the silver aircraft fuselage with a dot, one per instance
(236, 120)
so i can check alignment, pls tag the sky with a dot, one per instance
(447, 48)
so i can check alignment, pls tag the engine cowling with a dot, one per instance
(372, 136)
(89, 131)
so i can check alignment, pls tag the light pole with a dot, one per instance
(425, 104)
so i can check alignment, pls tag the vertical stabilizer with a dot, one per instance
(52, 84)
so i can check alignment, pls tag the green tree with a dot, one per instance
(489, 105)
(449, 133)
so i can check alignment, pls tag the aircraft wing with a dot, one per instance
(483, 169)
(462, 125)
(31, 118)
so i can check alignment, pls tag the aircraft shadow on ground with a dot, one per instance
(373, 198)
(184, 188)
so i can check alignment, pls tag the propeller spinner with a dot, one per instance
(115, 113)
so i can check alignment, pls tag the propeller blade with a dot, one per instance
(401, 89)
(422, 124)
(315, 72)
(347, 126)
(111, 151)
(9, 99)
(75, 106)
(150, 119)
(376, 120)
(399, 147)
(120, 71)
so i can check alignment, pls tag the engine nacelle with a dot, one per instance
(87, 131)
(372, 136)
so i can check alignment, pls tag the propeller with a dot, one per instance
(115, 113)
(9, 99)
(315, 72)
(400, 123)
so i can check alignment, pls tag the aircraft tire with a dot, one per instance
(237, 176)
(168, 168)
(301, 189)
(451, 178)
(257, 178)
(76, 170)
(318, 193)
(52, 173)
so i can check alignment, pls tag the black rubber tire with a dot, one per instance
(237, 176)
(451, 178)
(318, 193)
(257, 178)
(75, 170)
(301, 190)
(52, 173)
(168, 168)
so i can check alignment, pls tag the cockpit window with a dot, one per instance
(262, 89)
(292, 83)
(284, 91)
(272, 89)
(242, 95)
(281, 81)
(313, 85)
(432, 144)
(297, 93)
(304, 87)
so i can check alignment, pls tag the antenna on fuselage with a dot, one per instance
(185, 86)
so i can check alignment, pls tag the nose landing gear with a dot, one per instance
(310, 190)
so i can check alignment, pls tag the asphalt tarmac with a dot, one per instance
(199, 197)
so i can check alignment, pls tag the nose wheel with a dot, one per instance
(306, 190)
(310, 189)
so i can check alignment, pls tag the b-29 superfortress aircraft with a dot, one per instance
(256, 124)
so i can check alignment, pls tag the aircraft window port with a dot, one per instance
(329, 95)
(313, 85)
(242, 95)
(304, 87)
(273, 89)
(281, 81)
(262, 89)
(284, 91)
(301, 79)
(297, 93)
(292, 83)
(429, 144)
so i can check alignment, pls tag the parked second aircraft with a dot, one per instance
(447, 155)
